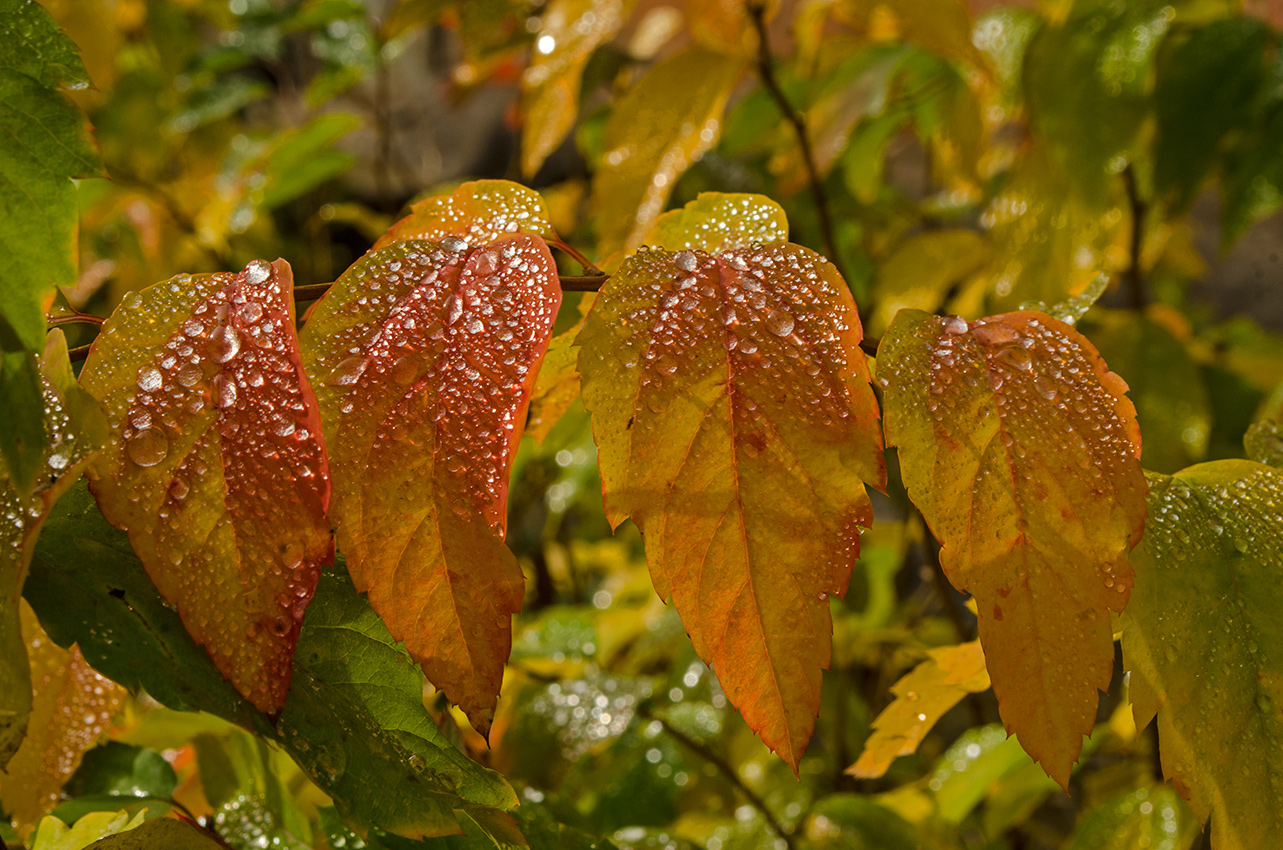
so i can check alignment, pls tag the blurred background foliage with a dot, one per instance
(966, 157)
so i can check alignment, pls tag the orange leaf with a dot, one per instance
(921, 698)
(218, 472)
(736, 426)
(73, 706)
(1020, 448)
(477, 212)
(424, 355)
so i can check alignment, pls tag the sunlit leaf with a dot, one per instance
(923, 269)
(735, 425)
(53, 834)
(218, 473)
(1019, 447)
(73, 705)
(1200, 639)
(475, 213)
(921, 698)
(719, 221)
(1166, 385)
(557, 386)
(1151, 817)
(164, 832)
(665, 122)
(1264, 442)
(941, 26)
(569, 31)
(424, 355)
(74, 429)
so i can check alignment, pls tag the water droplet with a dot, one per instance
(779, 323)
(224, 391)
(148, 447)
(225, 342)
(686, 261)
(257, 272)
(150, 379)
(349, 371)
(453, 309)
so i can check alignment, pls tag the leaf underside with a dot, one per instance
(736, 426)
(1020, 449)
(219, 474)
(424, 355)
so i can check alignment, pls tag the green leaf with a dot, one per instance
(355, 719)
(53, 834)
(1254, 168)
(116, 768)
(1206, 89)
(1203, 641)
(161, 833)
(664, 123)
(851, 820)
(31, 43)
(1165, 384)
(1151, 817)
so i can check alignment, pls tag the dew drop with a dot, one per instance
(257, 272)
(224, 391)
(685, 260)
(150, 379)
(225, 343)
(453, 309)
(779, 323)
(349, 371)
(148, 448)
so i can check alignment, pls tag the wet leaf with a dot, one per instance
(943, 28)
(719, 221)
(74, 429)
(557, 386)
(735, 425)
(569, 31)
(476, 213)
(1166, 385)
(665, 122)
(923, 269)
(1019, 447)
(1264, 442)
(164, 832)
(424, 355)
(73, 705)
(53, 834)
(355, 720)
(1207, 591)
(31, 43)
(1151, 817)
(921, 698)
(219, 474)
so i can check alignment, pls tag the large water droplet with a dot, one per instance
(225, 343)
(349, 371)
(453, 309)
(224, 390)
(150, 379)
(779, 323)
(257, 272)
(148, 448)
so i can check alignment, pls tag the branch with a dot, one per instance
(1135, 275)
(724, 767)
(766, 70)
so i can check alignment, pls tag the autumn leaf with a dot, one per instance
(735, 425)
(1150, 816)
(1200, 639)
(476, 212)
(569, 32)
(923, 269)
(74, 429)
(1019, 447)
(718, 221)
(921, 698)
(665, 122)
(218, 472)
(557, 386)
(73, 706)
(424, 355)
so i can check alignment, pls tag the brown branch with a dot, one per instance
(766, 70)
(75, 319)
(726, 769)
(584, 263)
(80, 352)
(1135, 275)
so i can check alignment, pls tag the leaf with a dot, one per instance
(718, 221)
(164, 832)
(1014, 422)
(74, 429)
(943, 28)
(116, 768)
(1167, 387)
(735, 425)
(1253, 177)
(851, 816)
(921, 698)
(1206, 89)
(1201, 639)
(665, 122)
(32, 44)
(424, 355)
(557, 385)
(477, 213)
(569, 31)
(219, 474)
(356, 719)
(53, 834)
(89, 588)
(1264, 442)
(923, 269)
(73, 705)
(1151, 817)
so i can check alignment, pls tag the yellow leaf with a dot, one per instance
(665, 123)
(921, 698)
(1020, 449)
(923, 269)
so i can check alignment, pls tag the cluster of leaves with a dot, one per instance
(187, 602)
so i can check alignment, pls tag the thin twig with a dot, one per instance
(584, 263)
(75, 319)
(1135, 276)
(766, 70)
(80, 352)
(725, 768)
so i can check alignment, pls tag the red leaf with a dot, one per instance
(424, 356)
(218, 473)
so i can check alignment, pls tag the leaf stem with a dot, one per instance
(766, 70)
(726, 769)
(1135, 275)
(584, 263)
(77, 319)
